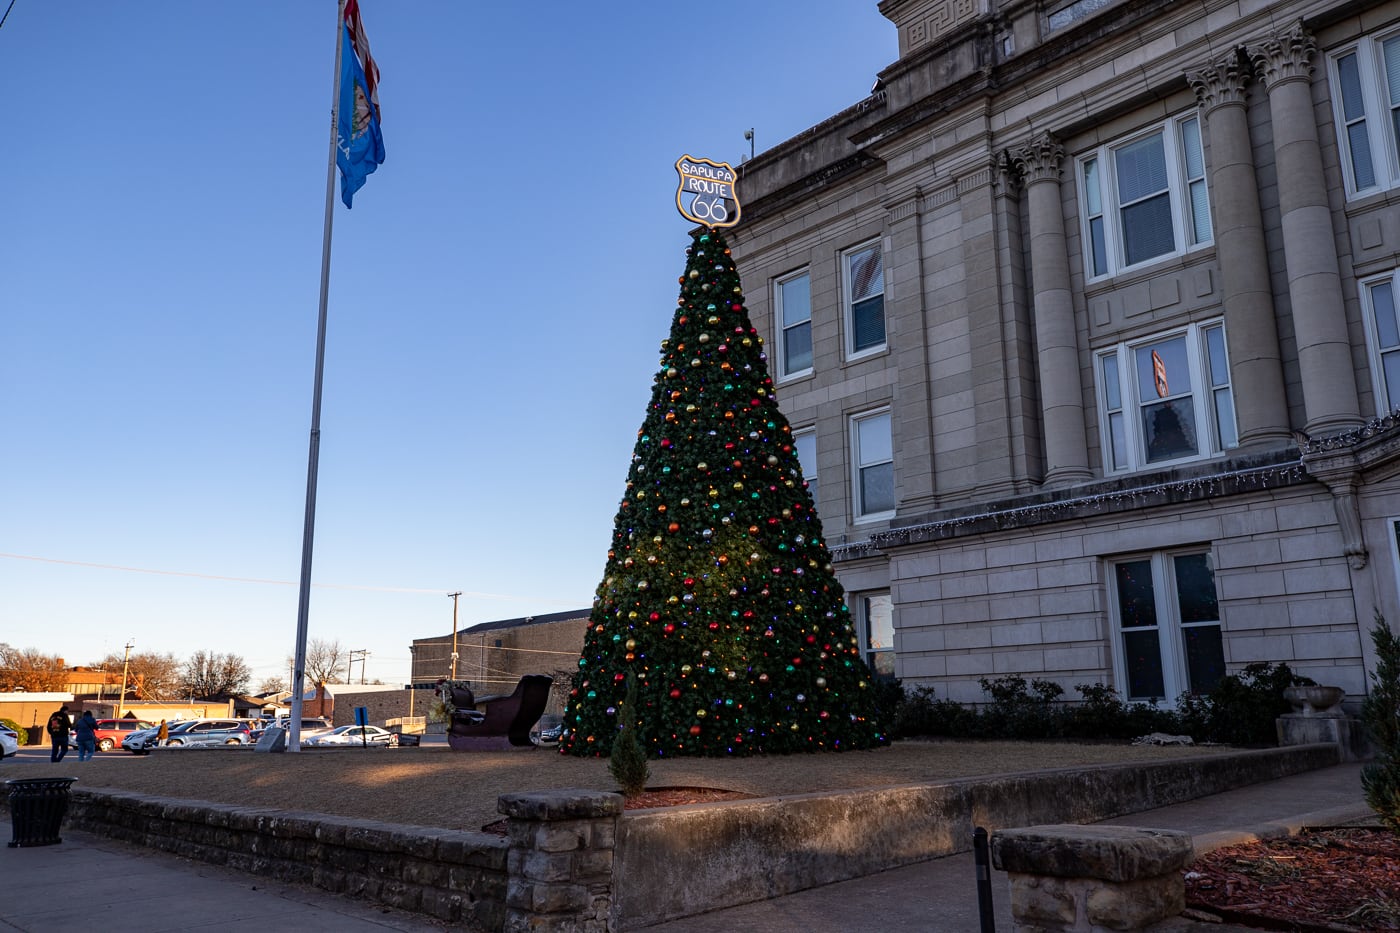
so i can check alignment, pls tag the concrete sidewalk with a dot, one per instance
(89, 882)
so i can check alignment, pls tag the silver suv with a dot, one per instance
(191, 732)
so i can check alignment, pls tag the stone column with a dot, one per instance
(1284, 65)
(1061, 394)
(560, 862)
(1256, 371)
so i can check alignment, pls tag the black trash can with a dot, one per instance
(37, 808)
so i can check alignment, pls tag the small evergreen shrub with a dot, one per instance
(1020, 710)
(922, 713)
(1381, 715)
(628, 763)
(20, 731)
(1241, 708)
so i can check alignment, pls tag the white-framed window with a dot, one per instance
(1166, 398)
(872, 459)
(805, 443)
(1365, 82)
(1166, 624)
(792, 302)
(1144, 198)
(863, 274)
(875, 630)
(1378, 297)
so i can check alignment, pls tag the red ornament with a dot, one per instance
(694, 730)
(675, 693)
(668, 628)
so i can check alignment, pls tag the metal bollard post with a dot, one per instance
(982, 856)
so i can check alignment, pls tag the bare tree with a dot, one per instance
(208, 673)
(324, 661)
(149, 675)
(272, 685)
(30, 670)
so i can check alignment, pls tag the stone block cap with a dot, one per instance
(1109, 853)
(572, 804)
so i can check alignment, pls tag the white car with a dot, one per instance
(354, 735)
(9, 742)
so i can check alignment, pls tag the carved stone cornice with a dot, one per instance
(1005, 179)
(1284, 58)
(1039, 160)
(1220, 84)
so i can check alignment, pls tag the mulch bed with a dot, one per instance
(1344, 880)
(655, 797)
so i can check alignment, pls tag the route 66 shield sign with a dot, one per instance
(705, 194)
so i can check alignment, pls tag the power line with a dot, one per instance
(326, 586)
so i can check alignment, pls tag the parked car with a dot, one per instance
(313, 725)
(9, 742)
(548, 731)
(191, 732)
(111, 732)
(354, 735)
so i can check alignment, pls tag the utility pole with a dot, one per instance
(362, 655)
(126, 661)
(454, 633)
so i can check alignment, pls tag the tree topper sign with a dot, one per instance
(705, 194)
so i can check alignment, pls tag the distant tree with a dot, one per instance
(208, 673)
(30, 670)
(150, 675)
(272, 685)
(325, 659)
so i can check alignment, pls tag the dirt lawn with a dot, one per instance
(434, 786)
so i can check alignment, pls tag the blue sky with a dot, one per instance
(498, 295)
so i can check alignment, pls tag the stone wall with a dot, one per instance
(452, 875)
(679, 861)
(575, 863)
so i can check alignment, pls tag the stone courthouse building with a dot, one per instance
(1085, 323)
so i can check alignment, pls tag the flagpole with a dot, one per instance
(314, 454)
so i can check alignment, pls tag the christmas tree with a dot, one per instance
(719, 594)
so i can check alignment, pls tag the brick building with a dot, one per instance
(493, 656)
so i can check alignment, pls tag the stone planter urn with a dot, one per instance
(1315, 700)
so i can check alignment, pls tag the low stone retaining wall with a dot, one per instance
(679, 861)
(449, 874)
(574, 862)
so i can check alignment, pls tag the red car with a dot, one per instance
(110, 732)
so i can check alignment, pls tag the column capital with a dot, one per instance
(1039, 160)
(1220, 84)
(1283, 58)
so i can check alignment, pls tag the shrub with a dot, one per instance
(628, 763)
(889, 699)
(1381, 714)
(19, 730)
(921, 712)
(1019, 711)
(1241, 708)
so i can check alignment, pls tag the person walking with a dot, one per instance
(162, 734)
(86, 731)
(58, 727)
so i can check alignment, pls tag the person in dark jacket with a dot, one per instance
(58, 727)
(86, 731)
